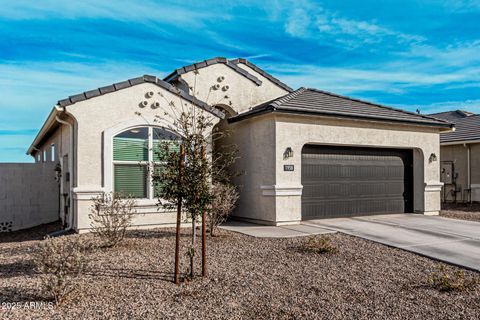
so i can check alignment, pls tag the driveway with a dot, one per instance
(449, 240)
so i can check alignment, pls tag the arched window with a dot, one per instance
(135, 154)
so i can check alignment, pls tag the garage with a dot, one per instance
(355, 181)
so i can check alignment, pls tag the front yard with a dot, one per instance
(250, 278)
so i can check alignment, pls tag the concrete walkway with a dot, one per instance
(450, 240)
(259, 231)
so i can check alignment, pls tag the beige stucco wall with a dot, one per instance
(255, 140)
(61, 138)
(29, 195)
(97, 120)
(295, 131)
(458, 155)
(242, 93)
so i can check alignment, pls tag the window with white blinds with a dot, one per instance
(135, 154)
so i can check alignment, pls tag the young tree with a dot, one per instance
(184, 179)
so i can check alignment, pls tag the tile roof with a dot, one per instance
(209, 62)
(317, 102)
(132, 82)
(262, 72)
(467, 126)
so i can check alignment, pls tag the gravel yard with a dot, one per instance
(461, 211)
(250, 278)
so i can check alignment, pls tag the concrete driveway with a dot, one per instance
(449, 240)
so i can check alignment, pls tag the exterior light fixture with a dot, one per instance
(58, 172)
(433, 158)
(288, 153)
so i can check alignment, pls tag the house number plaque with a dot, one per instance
(288, 167)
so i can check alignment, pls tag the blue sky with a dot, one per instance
(409, 54)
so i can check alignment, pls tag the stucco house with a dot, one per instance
(304, 153)
(460, 157)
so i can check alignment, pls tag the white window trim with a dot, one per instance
(108, 162)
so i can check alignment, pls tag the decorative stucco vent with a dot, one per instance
(6, 226)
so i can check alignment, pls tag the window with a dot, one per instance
(135, 152)
(52, 152)
(44, 155)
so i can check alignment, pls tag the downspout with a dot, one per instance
(70, 166)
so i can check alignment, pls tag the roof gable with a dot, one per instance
(262, 72)
(135, 81)
(233, 64)
(209, 62)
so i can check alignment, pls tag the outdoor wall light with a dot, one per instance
(58, 172)
(288, 153)
(433, 157)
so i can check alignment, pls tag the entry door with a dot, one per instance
(350, 181)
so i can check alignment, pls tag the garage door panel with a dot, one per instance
(325, 171)
(351, 181)
(353, 189)
(358, 207)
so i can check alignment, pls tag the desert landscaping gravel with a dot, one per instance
(249, 278)
(468, 211)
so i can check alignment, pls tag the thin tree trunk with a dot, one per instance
(179, 217)
(204, 243)
(192, 252)
(204, 233)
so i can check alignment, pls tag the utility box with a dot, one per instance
(446, 172)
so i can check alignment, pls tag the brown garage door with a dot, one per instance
(349, 181)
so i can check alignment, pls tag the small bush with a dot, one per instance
(225, 198)
(321, 244)
(59, 261)
(111, 217)
(445, 281)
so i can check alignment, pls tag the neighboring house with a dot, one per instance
(304, 153)
(460, 157)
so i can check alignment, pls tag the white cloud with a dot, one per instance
(310, 20)
(458, 54)
(124, 10)
(298, 23)
(462, 5)
(386, 79)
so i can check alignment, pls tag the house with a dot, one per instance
(460, 157)
(304, 153)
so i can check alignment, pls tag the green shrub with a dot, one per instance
(445, 281)
(319, 244)
(111, 216)
(60, 261)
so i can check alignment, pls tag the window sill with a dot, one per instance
(146, 202)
